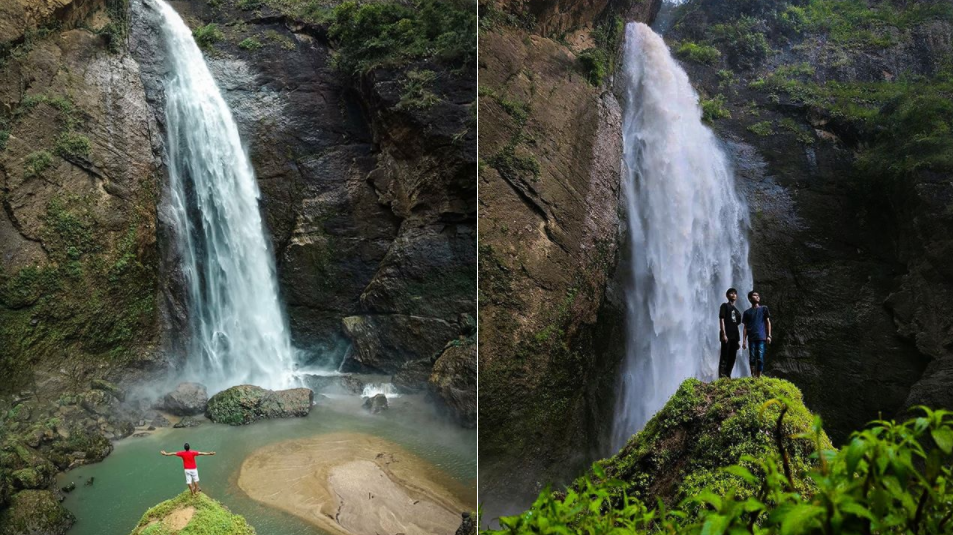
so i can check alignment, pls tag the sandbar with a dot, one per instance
(355, 484)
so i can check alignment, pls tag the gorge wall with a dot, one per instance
(838, 113)
(551, 315)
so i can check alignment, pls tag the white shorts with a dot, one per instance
(191, 476)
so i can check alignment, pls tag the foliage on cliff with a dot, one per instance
(889, 478)
(387, 34)
(208, 517)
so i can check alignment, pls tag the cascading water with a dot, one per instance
(239, 332)
(688, 234)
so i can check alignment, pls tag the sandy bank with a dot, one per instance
(355, 484)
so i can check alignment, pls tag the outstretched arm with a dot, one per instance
(167, 454)
(206, 453)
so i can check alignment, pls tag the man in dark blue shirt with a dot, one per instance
(757, 330)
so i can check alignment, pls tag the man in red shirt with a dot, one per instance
(188, 462)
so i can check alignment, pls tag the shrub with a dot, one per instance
(207, 35)
(250, 43)
(36, 162)
(763, 129)
(376, 34)
(890, 478)
(697, 53)
(417, 93)
(714, 108)
(595, 65)
(72, 146)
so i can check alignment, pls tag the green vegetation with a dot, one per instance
(250, 43)
(714, 109)
(743, 42)
(513, 166)
(890, 478)
(417, 93)
(210, 518)
(72, 146)
(115, 31)
(803, 134)
(599, 62)
(697, 53)
(763, 129)
(371, 35)
(250, 5)
(208, 35)
(36, 162)
(282, 40)
(859, 22)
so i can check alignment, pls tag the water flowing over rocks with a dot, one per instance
(244, 404)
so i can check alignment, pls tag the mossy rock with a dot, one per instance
(106, 386)
(245, 404)
(706, 427)
(191, 515)
(35, 511)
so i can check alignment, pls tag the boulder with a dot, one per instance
(106, 386)
(706, 427)
(453, 382)
(188, 399)
(188, 421)
(96, 402)
(33, 512)
(467, 524)
(376, 404)
(160, 421)
(192, 514)
(413, 376)
(245, 404)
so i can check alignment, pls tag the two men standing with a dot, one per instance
(757, 330)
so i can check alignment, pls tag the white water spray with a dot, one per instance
(688, 229)
(239, 332)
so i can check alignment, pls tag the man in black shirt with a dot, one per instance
(729, 318)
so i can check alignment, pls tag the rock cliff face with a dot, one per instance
(550, 147)
(371, 204)
(848, 191)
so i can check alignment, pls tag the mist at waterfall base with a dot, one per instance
(239, 332)
(687, 228)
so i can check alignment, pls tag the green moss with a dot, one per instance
(376, 34)
(743, 41)
(803, 133)
(210, 518)
(282, 40)
(250, 43)
(706, 427)
(763, 129)
(36, 162)
(208, 35)
(34, 511)
(698, 53)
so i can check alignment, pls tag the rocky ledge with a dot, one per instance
(244, 404)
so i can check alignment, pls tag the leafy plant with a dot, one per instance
(250, 43)
(72, 146)
(763, 129)
(417, 93)
(714, 108)
(697, 53)
(890, 478)
(36, 162)
(208, 35)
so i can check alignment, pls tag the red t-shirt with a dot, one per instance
(188, 458)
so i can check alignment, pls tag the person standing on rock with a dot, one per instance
(757, 330)
(729, 318)
(188, 462)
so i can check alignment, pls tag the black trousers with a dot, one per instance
(729, 352)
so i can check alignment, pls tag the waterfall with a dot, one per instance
(688, 234)
(239, 333)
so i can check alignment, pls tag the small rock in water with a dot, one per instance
(140, 435)
(160, 421)
(69, 488)
(89, 482)
(376, 404)
(188, 421)
(151, 428)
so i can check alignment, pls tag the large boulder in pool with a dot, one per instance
(245, 404)
(35, 511)
(192, 514)
(188, 399)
